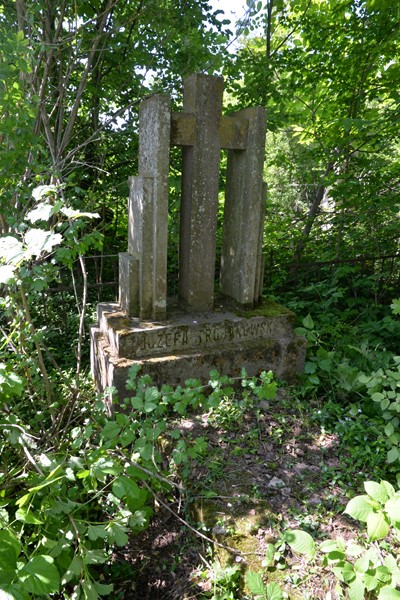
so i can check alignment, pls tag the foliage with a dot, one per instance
(369, 568)
(326, 73)
(66, 508)
(362, 568)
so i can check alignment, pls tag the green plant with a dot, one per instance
(228, 405)
(383, 387)
(370, 568)
(300, 542)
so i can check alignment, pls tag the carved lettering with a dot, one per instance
(201, 336)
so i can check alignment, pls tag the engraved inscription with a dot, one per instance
(194, 337)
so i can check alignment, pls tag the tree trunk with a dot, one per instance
(312, 215)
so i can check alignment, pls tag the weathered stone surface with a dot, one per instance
(244, 213)
(138, 339)
(142, 240)
(284, 356)
(233, 132)
(202, 98)
(129, 283)
(148, 206)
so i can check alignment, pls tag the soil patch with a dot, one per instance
(273, 469)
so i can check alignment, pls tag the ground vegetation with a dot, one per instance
(234, 489)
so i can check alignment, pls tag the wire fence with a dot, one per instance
(374, 277)
(379, 276)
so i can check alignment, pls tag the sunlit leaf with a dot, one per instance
(11, 250)
(255, 583)
(377, 526)
(359, 508)
(40, 576)
(41, 191)
(301, 542)
(376, 491)
(7, 274)
(38, 241)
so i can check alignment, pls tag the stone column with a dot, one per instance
(142, 240)
(129, 284)
(148, 214)
(198, 226)
(244, 214)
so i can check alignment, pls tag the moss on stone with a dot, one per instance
(268, 308)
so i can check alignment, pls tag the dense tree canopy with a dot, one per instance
(327, 71)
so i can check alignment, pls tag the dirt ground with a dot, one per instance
(272, 470)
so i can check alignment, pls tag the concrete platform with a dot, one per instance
(189, 346)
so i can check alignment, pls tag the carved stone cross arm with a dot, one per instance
(202, 132)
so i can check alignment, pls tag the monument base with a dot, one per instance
(189, 346)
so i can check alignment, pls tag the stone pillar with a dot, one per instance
(244, 214)
(202, 98)
(148, 213)
(142, 241)
(259, 283)
(129, 284)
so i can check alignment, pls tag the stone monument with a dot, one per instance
(200, 330)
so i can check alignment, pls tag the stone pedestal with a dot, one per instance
(190, 346)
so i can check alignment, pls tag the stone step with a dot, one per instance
(135, 339)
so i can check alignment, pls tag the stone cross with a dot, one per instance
(202, 132)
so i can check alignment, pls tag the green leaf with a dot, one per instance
(117, 534)
(393, 455)
(376, 491)
(74, 570)
(110, 430)
(389, 429)
(359, 508)
(388, 593)
(356, 589)
(9, 544)
(13, 591)
(139, 520)
(44, 484)
(103, 589)
(97, 531)
(377, 526)
(308, 322)
(395, 306)
(10, 548)
(273, 592)
(89, 591)
(329, 546)
(269, 555)
(137, 403)
(377, 397)
(255, 583)
(26, 516)
(94, 557)
(310, 367)
(301, 542)
(151, 394)
(362, 564)
(39, 576)
(392, 507)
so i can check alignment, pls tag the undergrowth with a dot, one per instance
(77, 482)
